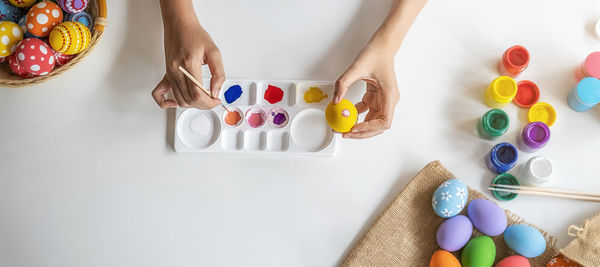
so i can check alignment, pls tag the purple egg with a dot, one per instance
(487, 217)
(454, 233)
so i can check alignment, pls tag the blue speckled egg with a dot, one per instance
(525, 240)
(450, 198)
(83, 18)
(9, 12)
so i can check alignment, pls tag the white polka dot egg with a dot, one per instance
(35, 57)
(10, 35)
(42, 18)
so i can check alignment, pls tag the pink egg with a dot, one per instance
(35, 56)
(514, 261)
(16, 68)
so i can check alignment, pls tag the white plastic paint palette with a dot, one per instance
(305, 132)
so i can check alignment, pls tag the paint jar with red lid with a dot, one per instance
(528, 94)
(534, 136)
(514, 61)
(590, 67)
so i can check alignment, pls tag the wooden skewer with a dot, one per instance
(199, 84)
(546, 194)
(541, 189)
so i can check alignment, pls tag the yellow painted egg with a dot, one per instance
(70, 38)
(22, 3)
(10, 35)
(442, 258)
(342, 116)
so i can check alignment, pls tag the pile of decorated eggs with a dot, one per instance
(456, 232)
(36, 35)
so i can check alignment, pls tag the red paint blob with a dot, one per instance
(273, 94)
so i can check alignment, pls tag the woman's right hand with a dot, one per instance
(187, 44)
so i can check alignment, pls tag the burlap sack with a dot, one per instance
(585, 248)
(404, 234)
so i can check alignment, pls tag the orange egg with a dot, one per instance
(42, 18)
(442, 258)
(562, 261)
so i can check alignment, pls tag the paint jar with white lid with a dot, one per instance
(536, 171)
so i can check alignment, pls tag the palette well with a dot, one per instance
(264, 117)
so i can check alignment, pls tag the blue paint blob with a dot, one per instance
(233, 93)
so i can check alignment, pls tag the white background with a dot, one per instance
(88, 177)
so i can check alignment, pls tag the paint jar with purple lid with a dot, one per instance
(501, 158)
(534, 136)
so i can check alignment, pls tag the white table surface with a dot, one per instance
(88, 177)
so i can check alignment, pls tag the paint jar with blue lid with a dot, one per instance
(501, 158)
(534, 136)
(586, 95)
(494, 123)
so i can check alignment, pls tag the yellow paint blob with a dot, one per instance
(342, 116)
(314, 95)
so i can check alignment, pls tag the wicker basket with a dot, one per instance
(96, 9)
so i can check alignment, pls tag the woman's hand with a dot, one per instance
(376, 67)
(188, 45)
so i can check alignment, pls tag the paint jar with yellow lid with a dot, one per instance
(501, 91)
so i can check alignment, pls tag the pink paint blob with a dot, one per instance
(256, 120)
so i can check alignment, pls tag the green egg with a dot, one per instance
(479, 252)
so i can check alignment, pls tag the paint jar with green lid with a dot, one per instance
(505, 179)
(494, 123)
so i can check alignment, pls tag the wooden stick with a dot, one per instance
(546, 194)
(199, 84)
(541, 189)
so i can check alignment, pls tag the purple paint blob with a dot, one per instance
(279, 118)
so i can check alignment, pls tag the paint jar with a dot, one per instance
(527, 94)
(590, 67)
(501, 158)
(536, 171)
(505, 179)
(586, 95)
(514, 61)
(543, 112)
(534, 136)
(501, 91)
(494, 123)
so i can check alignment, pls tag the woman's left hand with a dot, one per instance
(375, 67)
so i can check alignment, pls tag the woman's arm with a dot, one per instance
(189, 45)
(375, 65)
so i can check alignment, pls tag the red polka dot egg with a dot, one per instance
(42, 18)
(35, 56)
(16, 68)
(62, 59)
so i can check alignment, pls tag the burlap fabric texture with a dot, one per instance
(404, 234)
(585, 248)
